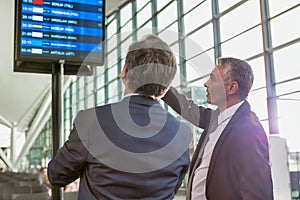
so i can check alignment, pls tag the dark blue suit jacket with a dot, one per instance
(239, 166)
(133, 149)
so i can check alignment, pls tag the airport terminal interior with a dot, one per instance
(264, 33)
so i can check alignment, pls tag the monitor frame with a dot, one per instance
(44, 64)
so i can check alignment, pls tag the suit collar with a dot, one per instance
(140, 99)
(229, 112)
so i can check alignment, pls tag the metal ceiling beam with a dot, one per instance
(5, 159)
(5, 122)
(39, 122)
(22, 121)
(44, 112)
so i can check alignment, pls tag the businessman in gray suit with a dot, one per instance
(231, 160)
(132, 149)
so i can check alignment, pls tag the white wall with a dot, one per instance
(279, 167)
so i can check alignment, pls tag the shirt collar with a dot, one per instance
(229, 112)
(130, 94)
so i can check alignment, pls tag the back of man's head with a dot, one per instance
(151, 66)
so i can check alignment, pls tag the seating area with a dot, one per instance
(17, 186)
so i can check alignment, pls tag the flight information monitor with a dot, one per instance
(49, 31)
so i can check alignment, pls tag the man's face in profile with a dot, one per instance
(215, 88)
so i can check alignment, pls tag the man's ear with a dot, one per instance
(124, 72)
(233, 87)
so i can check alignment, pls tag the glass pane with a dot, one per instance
(170, 35)
(125, 45)
(126, 13)
(81, 105)
(112, 28)
(90, 88)
(144, 15)
(111, 42)
(113, 73)
(224, 5)
(277, 7)
(146, 29)
(258, 68)
(80, 88)
(126, 30)
(67, 114)
(167, 16)
(110, 18)
(245, 45)
(80, 94)
(67, 93)
(80, 82)
(162, 3)
(99, 81)
(140, 4)
(113, 89)
(240, 19)
(284, 28)
(90, 101)
(123, 61)
(289, 123)
(198, 16)
(199, 41)
(176, 80)
(100, 96)
(175, 50)
(113, 99)
(258, 102)
(198, 83)
(286, 63)
(189, 4)
(200, 66)
(99, 70)
(288, 87)
(112, 58)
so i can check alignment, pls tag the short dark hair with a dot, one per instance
(239, 71)
(151, 66)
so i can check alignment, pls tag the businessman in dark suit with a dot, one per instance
(130, 149)
(231, 160)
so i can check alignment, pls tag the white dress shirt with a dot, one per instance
(199, 181)
(130, 94)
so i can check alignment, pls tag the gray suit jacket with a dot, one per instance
(239, 167)
(133, 149)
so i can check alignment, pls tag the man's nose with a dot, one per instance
(205, 84)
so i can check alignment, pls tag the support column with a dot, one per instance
(12, 142)
(269, 68)
(216, 28)
(181, 44)
(57, 119)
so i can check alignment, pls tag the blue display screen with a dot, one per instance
(61, 29)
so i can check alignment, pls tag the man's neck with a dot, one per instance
(128, 91)
(230, 103)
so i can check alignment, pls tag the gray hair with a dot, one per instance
(151, 66)
(239, 71)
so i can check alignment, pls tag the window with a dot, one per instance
(167, 16)
(198, 16)
(284, 28)
(245, 45)
(286, 63)
(240, 19)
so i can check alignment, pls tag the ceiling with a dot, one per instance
(20, 93)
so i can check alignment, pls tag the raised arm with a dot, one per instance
(197, 115)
